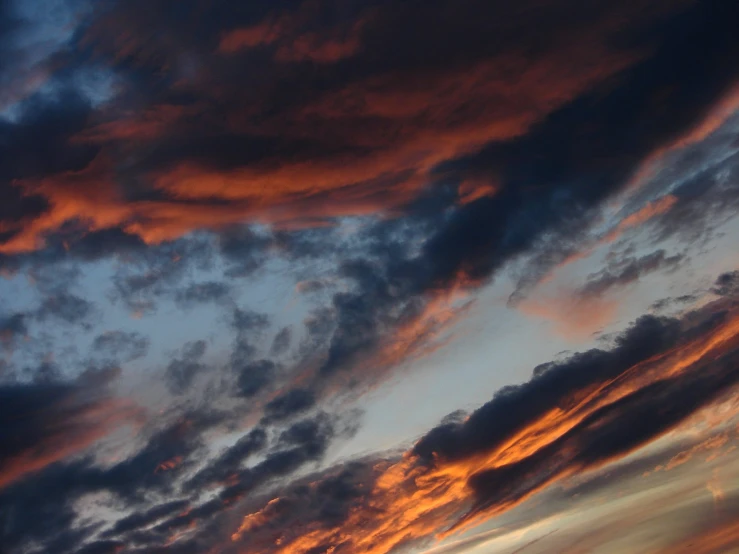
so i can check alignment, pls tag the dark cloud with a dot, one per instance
(12, 327)
(705, 200)
(73, 244)
(253, 377)
(308, 431)
(483, 134)
(45, 422)
(244, 249)
(585, 151)
(515, 407)
(37, 144)
(622, 272)
(271, 151)
(230, 460)
(289, 404)
(102, 547)
(98, 244)
(608, 403)
(154, 273)
(727, 284)
(246, 321)
(664, 303)
(182, 371)
(166, 455)
(324, 500)
(203, 293)
(141, 520)
(281, 342)
(303, 442)
(539, 207)
(66, 307)
(121, 345)
(608, 433)
(42, 510)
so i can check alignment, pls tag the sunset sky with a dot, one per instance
(369, 276)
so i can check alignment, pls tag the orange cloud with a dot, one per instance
(293, 45)
(373, 142)
(409, 501)
(471, 190)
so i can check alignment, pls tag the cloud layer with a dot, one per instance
(232, 235)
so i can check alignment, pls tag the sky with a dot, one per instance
(369, 276)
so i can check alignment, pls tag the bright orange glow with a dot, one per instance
(409, 501)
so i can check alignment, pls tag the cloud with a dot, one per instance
(46, 423)
(620, 273)
(281, 342)
(304, 161)
(12, 327)
(253, 377)
(145, 519)
(67, 307)
(181, 372)
(123, 345)
(289, 404)
(727, 284)
(573, 416)
(199, 293)
(468, 137)
(230, 460)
